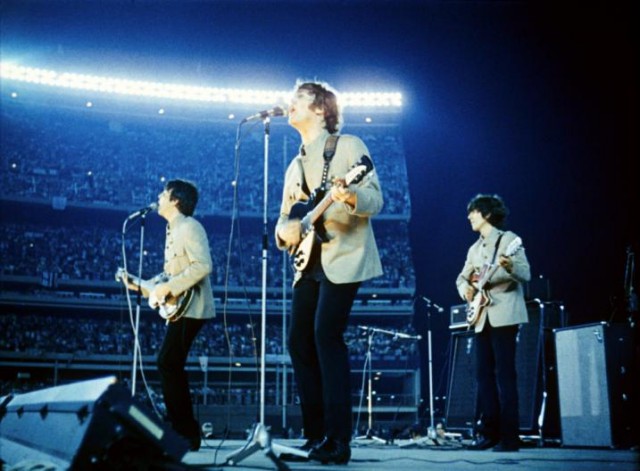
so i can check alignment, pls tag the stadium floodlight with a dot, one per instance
(112, 85)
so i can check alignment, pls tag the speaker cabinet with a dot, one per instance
(535, 365)
(86, 425)
(462, 387)
(594, 364)
(537, 390)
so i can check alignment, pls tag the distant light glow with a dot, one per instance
(161, 111)
(368, 119)
(89, 104)
(14, 95)
(9, 71)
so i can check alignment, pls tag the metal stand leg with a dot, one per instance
(259, 437)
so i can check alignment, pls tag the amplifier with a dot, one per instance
(458, 316)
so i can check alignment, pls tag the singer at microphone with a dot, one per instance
(273, 112)
(144, 211)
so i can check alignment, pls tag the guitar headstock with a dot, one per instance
(361, 168)
(513, 247)
(121, 274)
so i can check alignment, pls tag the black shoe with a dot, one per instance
(309, 445)
(482, 443)
(504, 446)
(194, 443)
(332, 451)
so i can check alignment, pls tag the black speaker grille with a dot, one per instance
(534, 363)
(462, 382)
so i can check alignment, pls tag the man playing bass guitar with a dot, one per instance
(498, 255)
(187, 262)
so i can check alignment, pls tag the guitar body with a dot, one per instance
(306, 251)
(313, 234)
(476, 309)
(171, 308)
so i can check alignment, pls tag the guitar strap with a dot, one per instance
(329, 151)
(493, 260)
(495, 251)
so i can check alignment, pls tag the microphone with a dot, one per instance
(275, 111)
(431, 303)
(402, 335)
(143, 211)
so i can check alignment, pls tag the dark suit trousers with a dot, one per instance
(172, 359)
(497, 382)
(320, 358)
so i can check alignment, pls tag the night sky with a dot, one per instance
(531, 100)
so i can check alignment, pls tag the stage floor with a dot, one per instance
(409, 455)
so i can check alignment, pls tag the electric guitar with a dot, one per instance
(309, 213)
(171, 308)
(477, 307)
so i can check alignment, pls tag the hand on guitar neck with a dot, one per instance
(341, 193)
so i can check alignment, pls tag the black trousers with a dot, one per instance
(320, 358)
(497, 400)
(172, 359)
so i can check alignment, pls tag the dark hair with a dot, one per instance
(324, 97)
(491, 207)
(185, 193)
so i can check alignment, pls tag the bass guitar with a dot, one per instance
(309, 213)
(171, 308)
(477, 307)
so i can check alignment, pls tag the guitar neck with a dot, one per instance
(144, 284)
(313, 215)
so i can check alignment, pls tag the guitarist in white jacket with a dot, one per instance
(187, 263)
(323, 293)
(491, 281)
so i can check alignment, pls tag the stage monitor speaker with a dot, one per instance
(594, 364)
(91, 424)
(534, 363)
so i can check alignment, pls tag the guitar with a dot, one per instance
(477, 307)
(309, 213)
(172, 308)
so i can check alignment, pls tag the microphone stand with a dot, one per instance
(370, 435)
(136, 341)
(432, 436)
(259, 437)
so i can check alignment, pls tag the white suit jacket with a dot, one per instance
(351, 254)
(188, 261)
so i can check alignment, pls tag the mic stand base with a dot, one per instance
(432, 439)
(371, 437)
(259, 439)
